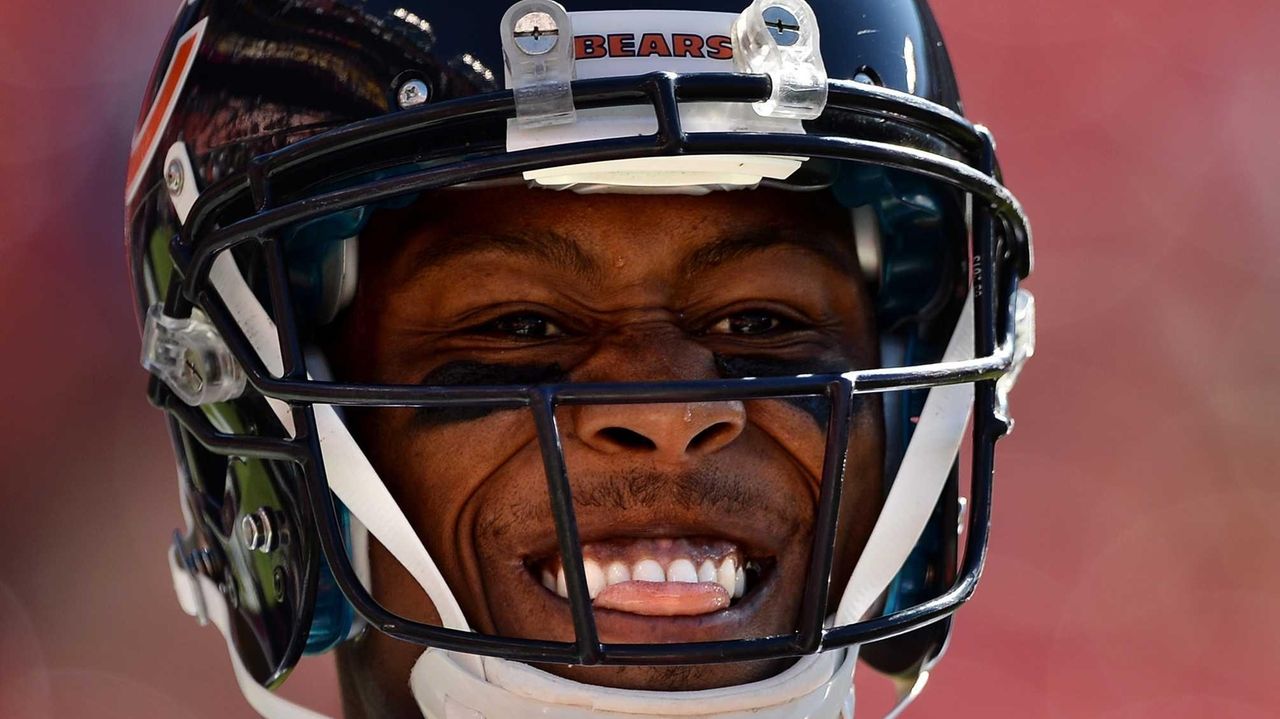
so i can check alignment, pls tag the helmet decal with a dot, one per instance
(146, 140)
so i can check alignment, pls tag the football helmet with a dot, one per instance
(273, 131)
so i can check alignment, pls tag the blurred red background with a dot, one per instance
(1133, 572)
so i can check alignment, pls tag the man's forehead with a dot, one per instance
(593, 235)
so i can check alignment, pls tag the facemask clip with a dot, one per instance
(779, 38)
(190, 357)
(537, 46)
(1024, 347)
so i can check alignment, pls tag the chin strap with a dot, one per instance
(200, 598)
(918, 484)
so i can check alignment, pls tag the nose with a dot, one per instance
(672, 432)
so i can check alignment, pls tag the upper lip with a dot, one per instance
(606, 529)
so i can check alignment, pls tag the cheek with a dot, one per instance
(800, 432)
(862, 494)
(800, 426)
(441, 464)
(437, 473)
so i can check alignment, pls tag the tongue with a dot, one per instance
(663, 599)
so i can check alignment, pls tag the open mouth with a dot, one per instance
(659, 577)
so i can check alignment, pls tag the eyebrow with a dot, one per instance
(740, 244)
(566, 254)
(550, 247)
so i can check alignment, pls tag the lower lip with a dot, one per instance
(629, 627)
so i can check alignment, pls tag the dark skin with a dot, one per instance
(513, 286)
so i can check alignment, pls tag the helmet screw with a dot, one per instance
(864, 78)
(228, 588)
(256, 531)
(412, 94)
(782, 25)
(174, 177)
(536, 33)
(278, 583)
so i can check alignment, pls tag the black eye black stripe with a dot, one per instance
(737, 367)
(470, 372)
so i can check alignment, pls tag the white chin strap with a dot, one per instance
(450, 685)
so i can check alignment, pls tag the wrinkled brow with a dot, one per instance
(740, 244)
(568, 255)
(546, 246)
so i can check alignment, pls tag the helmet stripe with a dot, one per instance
(147, 138)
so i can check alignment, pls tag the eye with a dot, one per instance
(748, 324)
(527, 326)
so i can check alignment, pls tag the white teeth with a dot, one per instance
(707, 572)
(595, 577)
(618, 573)
(647, 570)
(681, 570)
(724, 575)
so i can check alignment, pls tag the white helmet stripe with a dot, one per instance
(919, 482)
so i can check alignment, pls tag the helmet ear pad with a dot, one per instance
(322, 256)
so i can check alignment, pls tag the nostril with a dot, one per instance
(713, 437)
(623, 437)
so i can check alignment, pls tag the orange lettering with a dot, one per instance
(589, 46)
(686, 45)
(719, 47)
(622, 45)
(653, 44)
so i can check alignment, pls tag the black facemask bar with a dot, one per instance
(252, 207)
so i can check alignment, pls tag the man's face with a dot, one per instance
(516, 286)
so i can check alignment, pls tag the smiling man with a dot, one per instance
(696, 517)
(539, 375)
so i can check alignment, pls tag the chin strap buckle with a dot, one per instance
(1024, 348)
(190, 357)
